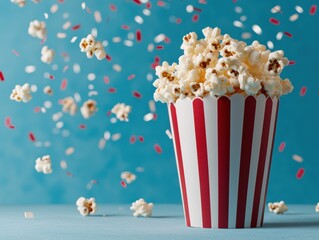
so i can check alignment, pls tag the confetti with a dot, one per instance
(303, 91)
(138, 35)
(169, 134)
(276, 9)
(1, 76)
(274, 21)
(238, 24)
(282, 147)
(132, 76)
(76, 27)
(28, 215)
(313, 10)
(195, 18)
(123, 184)
(297, 158)
(31, 137)
(132, 139)
(288, 34)
(137, 94)
(293, 17)
(139, 19)
(30, 69)
(299, 9)
(69, 151)
(257, 29)
(300, 173)
(64, 84)
(158, 148)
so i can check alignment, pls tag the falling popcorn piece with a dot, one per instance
(317, 207)
(142, 208)
(69, 105)
(47, 55)
(121, 111)
(92, 47)
(48, 90)
(43, 164)
(128, 177)
(28, 215)
(86, 206)
(20, 3)
(277, 207)
(21, 93)
(37, 29)
(88, 108)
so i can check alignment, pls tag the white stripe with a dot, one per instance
(270, 140)
(236, 129)
(185, 119)
(210, 109)
(174, 143)
(258, 127)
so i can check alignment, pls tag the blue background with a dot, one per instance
(19, 182)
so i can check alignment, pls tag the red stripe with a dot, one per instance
(201, 146)
(270, 160)
(180, 162)
(223, 108)
(246, 146)
(261, 161)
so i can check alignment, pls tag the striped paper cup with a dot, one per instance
(223, 148)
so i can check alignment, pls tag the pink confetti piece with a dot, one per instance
(137, 2)
(313, 9)
(31, 137)
(123, 184)
(112, 90)
(141, 138)
(178, 20)
(160, 3)
(274, 21)
(300, 173)
(8, 123)
(132, 139)
(138, 35)
(15, 52)
(303, 91)
(148, 5)
(106, 80)
(64, 84)
(292, 62)
(282, 147)
(132, 76)
(137, 94)
(158, 148)
(37, 109)
(288, 34)
(76, 27)
(113, 7)
(51, 77)
(1, 76)
(195, 17)
(82, 126)
(125, 27)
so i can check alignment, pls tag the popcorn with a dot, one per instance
(48, 90)
(128, 177)
(20, 3)
(86, 206)
(92, 47)
(69, 105)
(88, 108)
(43, 164)
(220, 65)
(21, 93)
(142, 208)
(121, 111)
(317, 207)
(47, 55)
(37, 29)
(277, 207)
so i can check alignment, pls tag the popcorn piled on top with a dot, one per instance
(142, 208)
(317, 207)
(92, 47)
(88, 108)
(43, 164)
(277, 207)
(220, 65)
(86, 206)
(47, 55)
(128, 177)
(121, 111)
(21, 93)
(37, 29)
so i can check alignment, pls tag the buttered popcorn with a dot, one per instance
(121, 110)
(86, 206)
(88, 108)
(21, 93)
(277, 207)
(92, 47)
(37, 29)
(220, 65)
(43, 164)
(47, 55)
(128, 177)
(142, 208)
(69, 105)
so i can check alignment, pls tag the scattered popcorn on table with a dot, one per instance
(20, 3)
(86, 206)
(47, 55)
(28, 215)
(141, 208)
(43, 164)
(317, 207)
(21, 93)
(37, 29)
(128, 177)
(277, 207)
(69, 105)
(92, 47)
(121, 111)
(88, 108)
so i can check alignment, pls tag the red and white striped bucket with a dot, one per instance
(223, 149)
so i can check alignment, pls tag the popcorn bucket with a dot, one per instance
(223, 148)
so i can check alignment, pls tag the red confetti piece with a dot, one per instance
(8, 123)
(137, 2)
(125, 27)
(76, 27)
(37, 109)
(137, 94)
(141, 138)
(1, 76)
(156, 59)
(195, 18)
(64, 84)
(313, 9)
(51, 77)
(167, 40)
(160, 3)
(282, 147)
(108, 57)
(123, 184)
(113, 7)
(178, 20)
(106, 80)
(138, 35)
(132, 139)
(131, 77)
(303, 91)
(112, 90)
(69, 174)
(158, 148)
(288, 34)
(148, 5)
(154, 116)
(197, 9)
(82, 126)
(274, 21)
(300, 173)
(160, 47)
(292, 62)
(31, 137)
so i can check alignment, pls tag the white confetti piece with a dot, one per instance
(30, 69)
(297, 158)
(97, 16)
(128, 43)
(279, 35)
(102, 143)
(238, 10)
(150, 47)
(299, 9)
(151, 105)
(257, 29)
(66, 25)
(116, 39)
(275, 9)
(148, 117)
(69, 151)
(47, 104)
(238, 24)
(146, 12)
(294, 17)
(139, 19)
(63, 165)
(94, 32)
(149, 77)
(76, 68)
(159, 38)
(28, 215)
(54, 8)
(169, 134)
(83, 5)
(246, 35)
(46, 16)
(116, 136)
(189, 8)
(270, 44)
(61, 35)
(73, 39)
(117, 67)
(243, 18)
(91, 76)
(107, 135)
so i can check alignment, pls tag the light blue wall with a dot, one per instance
(20, 183)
